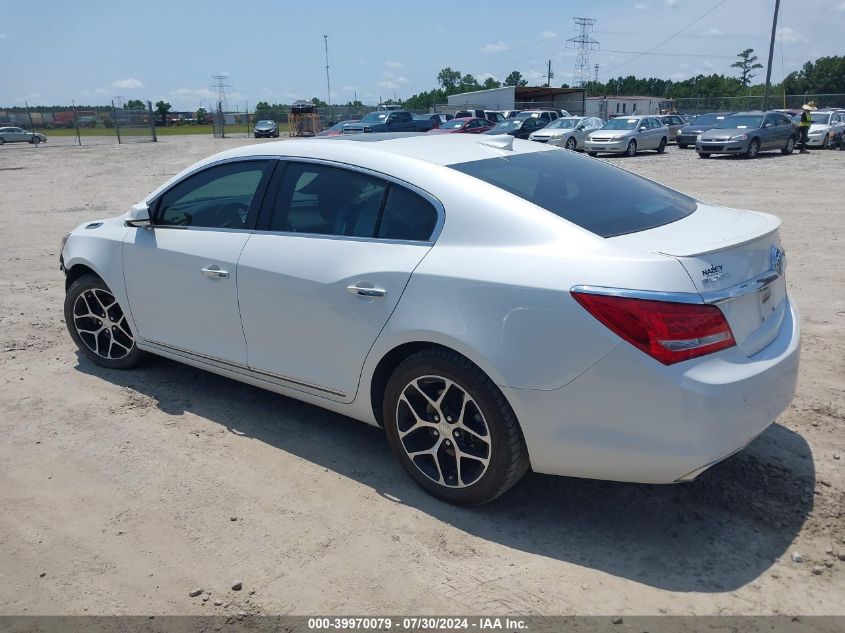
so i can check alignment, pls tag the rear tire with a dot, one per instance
(662, 147)
(790, 146)
(632, 148)
(98, 326)
(452, 429)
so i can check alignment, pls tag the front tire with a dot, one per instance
(632, 148)
(452, 429)
(683, 145)
(753, 149)
(662, 147)
(593, 154)
(703, 155)
(571, 144)
(97, 325)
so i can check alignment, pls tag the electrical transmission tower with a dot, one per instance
(584, 42)
(220, 84)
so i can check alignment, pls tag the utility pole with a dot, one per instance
(328, 83)
(584, 42)
(549, 75)
(596, 67)
(771, 54)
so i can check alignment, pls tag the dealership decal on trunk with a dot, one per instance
(713, 274)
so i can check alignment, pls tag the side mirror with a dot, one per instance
(138, 216)
(643, 128)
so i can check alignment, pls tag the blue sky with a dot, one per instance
(91, 51)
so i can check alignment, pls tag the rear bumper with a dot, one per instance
(630, 418)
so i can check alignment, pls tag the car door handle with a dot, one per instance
(364, 291)
(215, 273)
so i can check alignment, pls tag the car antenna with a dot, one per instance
(499, 141)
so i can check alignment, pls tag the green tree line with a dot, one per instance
(825, 75)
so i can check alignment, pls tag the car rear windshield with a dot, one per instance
(598, 197)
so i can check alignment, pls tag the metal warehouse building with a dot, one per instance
(572, 100)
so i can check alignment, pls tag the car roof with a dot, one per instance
(439, 149)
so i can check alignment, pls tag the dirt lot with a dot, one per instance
(119, 489)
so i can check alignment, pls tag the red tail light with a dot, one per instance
(669, 332)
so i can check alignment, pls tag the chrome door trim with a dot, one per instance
(711, 297)
(238, 368)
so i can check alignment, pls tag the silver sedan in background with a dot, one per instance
(569, 132)
(627, 135)
(19, 135)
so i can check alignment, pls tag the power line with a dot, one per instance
(668, 39)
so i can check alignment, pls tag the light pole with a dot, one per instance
(771, 53)
(328, 83)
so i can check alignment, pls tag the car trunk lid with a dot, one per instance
(734, 259)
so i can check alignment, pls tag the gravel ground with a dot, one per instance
(122, 492)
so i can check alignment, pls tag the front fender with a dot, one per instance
(101, 250)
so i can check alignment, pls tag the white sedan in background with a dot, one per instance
(494, 304)
(20, 135)
(569, 132)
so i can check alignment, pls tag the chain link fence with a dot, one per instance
(701, 105)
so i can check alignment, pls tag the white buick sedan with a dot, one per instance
(495, 305)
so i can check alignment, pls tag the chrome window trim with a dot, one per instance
(710, 297)
(438, 206)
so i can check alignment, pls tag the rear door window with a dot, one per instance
(407, 216)
(598, 197)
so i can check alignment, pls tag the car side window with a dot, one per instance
(217, 197)
(325, 200)
(407, 216)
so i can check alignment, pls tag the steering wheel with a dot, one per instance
(232, 215)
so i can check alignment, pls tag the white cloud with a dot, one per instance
(393, 64)
(640, 6)
(188, 93)
(789, 36)
(671, 3)
(707, 63)
(496, 47)
(841, 6)
(678, 76)
(547, 35)
(129, 83)
(3, 36)
(714, 32)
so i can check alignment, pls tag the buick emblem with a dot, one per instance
(778, 260)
